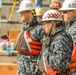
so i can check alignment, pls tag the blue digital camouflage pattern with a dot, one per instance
(27, 63)
(71, 28)
(59, 52)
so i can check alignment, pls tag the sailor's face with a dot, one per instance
(47, 26)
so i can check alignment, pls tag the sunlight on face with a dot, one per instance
(67, 15)
(24, 16)
(47, 27)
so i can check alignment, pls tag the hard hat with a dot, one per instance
(32, 0)
(55, 5)
(39, 11)
(52, 15)
(69, 5)
(26, 5)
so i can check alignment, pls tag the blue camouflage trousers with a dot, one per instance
(26, 64)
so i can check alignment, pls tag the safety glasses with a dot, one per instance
(24, 12)
(46, 22)
(66, 11)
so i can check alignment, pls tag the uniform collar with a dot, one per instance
(72, 21)
(57, 30)
(29, 24)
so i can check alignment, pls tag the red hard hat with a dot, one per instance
(55, 5)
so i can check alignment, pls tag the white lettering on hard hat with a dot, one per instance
(56, 4)
(72, 6)
(52, 15)
(29, 5)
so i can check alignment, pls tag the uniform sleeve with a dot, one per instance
(60, 53)
(72, 31)
(38, 33)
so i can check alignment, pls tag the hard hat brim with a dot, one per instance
(20, 10)
(67, 9)
(41, 22)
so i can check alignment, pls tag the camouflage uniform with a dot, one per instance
(27, 63)
(58, 51)
(71, 28)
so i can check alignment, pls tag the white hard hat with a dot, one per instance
(52, 15)
(26, 5)
(39, 11)
(69, 5)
